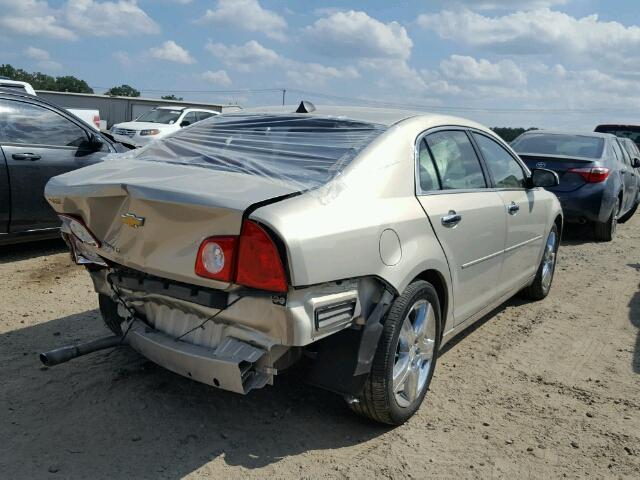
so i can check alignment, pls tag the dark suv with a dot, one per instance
(624, 131)
(39, 140)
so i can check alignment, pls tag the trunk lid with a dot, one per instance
(561, 164)
(153, 216)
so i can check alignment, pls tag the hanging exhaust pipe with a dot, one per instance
(64, 354)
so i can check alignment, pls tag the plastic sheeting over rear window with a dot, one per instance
(299, 150)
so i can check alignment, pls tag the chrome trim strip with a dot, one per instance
(522, 244)
(475, 262)
(506, 250)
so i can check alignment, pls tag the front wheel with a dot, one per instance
(405, 358)
(541, 285)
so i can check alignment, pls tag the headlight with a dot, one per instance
(153, 131)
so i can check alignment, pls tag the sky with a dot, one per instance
(544, 63)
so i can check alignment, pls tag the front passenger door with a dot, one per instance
(526, 215)
(38, 144)
(467, 217)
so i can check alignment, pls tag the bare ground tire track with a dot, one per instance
(536, 390)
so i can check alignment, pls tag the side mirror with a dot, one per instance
(635, 162)
(542, 177)
(185, 123)
(96, 143)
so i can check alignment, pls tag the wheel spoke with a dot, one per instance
(407, 333)
(412, 384)
(420, 318)
(400, 372)
(426, 349)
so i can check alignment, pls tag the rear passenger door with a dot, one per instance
(525, 212)
(38, 143)
(628, 176)
(467, 217)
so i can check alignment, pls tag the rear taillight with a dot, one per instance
(251, 260)
(259, 263)
(592, 175)
(96, 121)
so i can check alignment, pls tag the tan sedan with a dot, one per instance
(353, 241)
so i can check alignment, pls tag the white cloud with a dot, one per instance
(458, 67)
(102, 19)
(219, 77)
(42, 58)
(247, 15)
(539, 31)
(504, 4)
(171, 52)
(356, 34)
(245, 57)
(123, 58)
(33, 18)
(253, 56)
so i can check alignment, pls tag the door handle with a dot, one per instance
(25, 156)
(513, 208)
(451, 219)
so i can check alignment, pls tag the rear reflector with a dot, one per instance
(592, 175)
(216, 258)
(251, 260)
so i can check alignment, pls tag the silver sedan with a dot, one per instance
(354, 242)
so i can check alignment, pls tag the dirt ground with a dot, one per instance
(536, 390)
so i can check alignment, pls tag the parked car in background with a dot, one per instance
(157, 123)
(598, 181)
(359, 239)
(624, 131)
(39, 140)
(16, 85)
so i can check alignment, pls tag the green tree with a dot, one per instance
(171, 97)
(72, 84)
(123, 91)
(42, 81)
(509, 134)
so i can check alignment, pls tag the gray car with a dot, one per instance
(353, 242)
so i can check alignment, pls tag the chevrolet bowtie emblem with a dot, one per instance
(132, 220)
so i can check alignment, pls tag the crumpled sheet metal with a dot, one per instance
(302, 151)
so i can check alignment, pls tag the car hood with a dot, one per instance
(146, 126)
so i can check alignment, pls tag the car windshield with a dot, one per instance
(632, 133)
(301, 150)
(160, 115)
(557, 144)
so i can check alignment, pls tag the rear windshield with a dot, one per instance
(556, 144)
(295, 149)
(632, 133)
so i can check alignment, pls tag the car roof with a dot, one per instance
(382, 116)
(170, 107)
(577, 133)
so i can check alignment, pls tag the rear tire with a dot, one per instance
(541, 285)
(407, 352)
(109, 311)
(605, 231)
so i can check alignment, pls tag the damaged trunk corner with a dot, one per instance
(341, 362)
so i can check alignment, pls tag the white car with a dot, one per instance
(157, 123)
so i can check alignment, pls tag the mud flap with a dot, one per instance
(343, 360)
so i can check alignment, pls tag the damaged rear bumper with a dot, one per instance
(232, 365)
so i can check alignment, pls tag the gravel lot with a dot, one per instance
(536, 390)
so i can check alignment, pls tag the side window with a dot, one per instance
(29, 124)
(190, 117)
(617, 151)
(625, 155)
(203, 115)
(427, 174)
(506, 171)
(456, 162)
